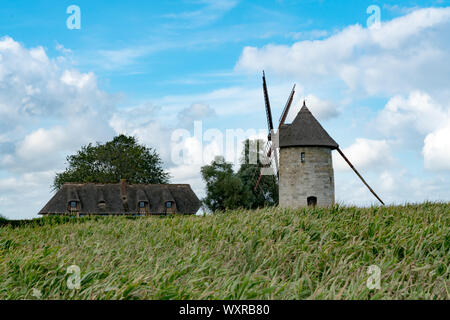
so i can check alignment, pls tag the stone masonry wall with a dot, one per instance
(314, 178)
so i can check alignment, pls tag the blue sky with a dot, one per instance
(149, 68)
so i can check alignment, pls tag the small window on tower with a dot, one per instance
(303, 157)
(142, 204)
(73, 204)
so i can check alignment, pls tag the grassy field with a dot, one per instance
(264, 254)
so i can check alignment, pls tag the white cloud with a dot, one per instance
(33, 85)
(405, 53)
(211, 11)
(436, 150)
(388, 181)
(146, 126)
(113, 59)
(47, 111)
(415, 122)
(196, 112)
(77, 79)
(45, 149)
(225, 101)
(41, 143)
(403, 118)
(35, 89)
(364, 154)
(418, 121)
(25, 194)
(307, 35)
(196, 154)
(321, 109)
(248, 101)
(65, 51)
(394, 185)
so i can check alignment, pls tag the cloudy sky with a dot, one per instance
(153, 68)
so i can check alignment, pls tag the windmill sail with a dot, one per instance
(357, 173)
(287, 107)
(282, 120)
(272, 146)
(268, 109)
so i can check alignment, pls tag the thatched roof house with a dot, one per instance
(122, 199)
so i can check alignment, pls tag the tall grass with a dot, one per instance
(263, 254)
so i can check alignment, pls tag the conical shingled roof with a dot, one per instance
(305, 131)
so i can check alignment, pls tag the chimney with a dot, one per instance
(123, 192)
(123, 188)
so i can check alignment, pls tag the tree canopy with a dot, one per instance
(226, 189)
(121, 158)
(251, 163)
(223, 187)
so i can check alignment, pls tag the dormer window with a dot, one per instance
(143, 207)
(170, 207)
(74, 207)
(303, 157)
(102, 205)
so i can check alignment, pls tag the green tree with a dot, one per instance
(3, 219)
(251, 163)
(224, 190)
(121, 158)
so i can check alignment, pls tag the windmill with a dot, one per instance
(302, 158)
(271, 149)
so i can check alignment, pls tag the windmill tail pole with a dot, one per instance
(357, 173)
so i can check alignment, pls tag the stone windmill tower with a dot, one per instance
(301, 155)
(306, 176)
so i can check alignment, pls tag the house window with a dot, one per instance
(143, 207)
(303, 157)
(73, 207)
(170, 209)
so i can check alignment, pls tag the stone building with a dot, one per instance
(306, 176)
